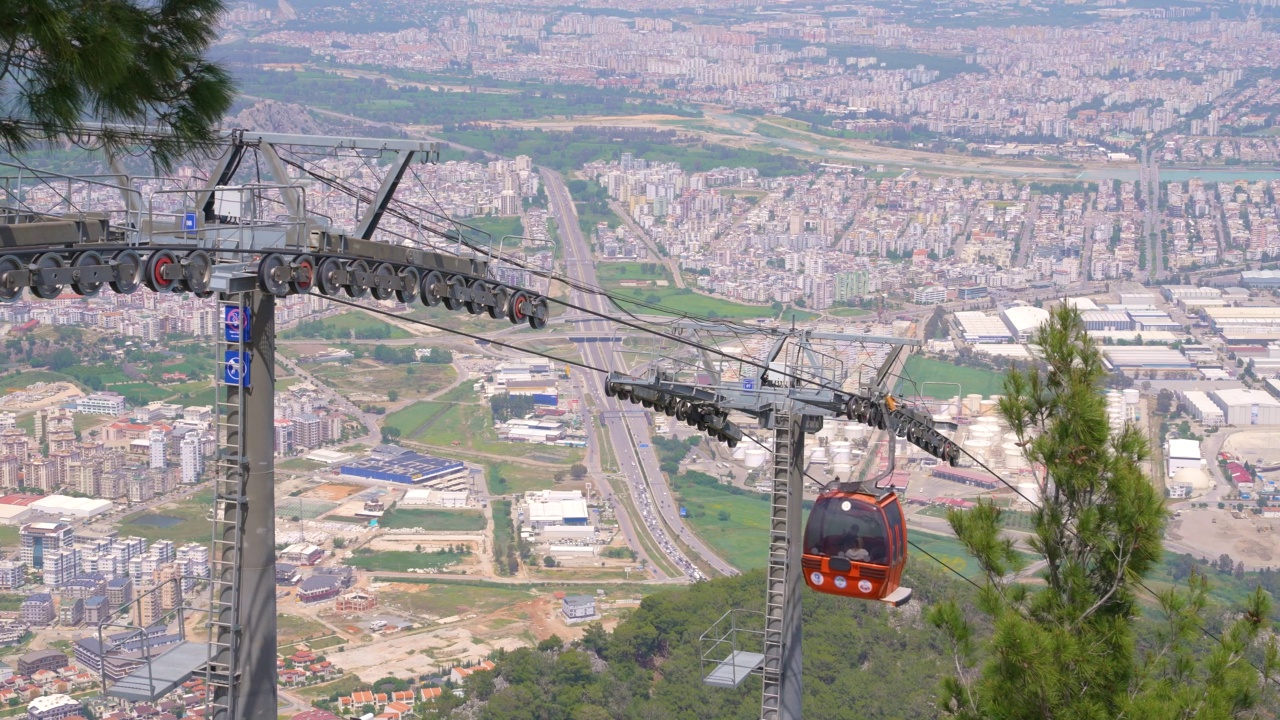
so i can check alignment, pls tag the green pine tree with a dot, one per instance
(1067, 647)
(121, 62)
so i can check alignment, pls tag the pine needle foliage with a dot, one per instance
(70, 64)
(1066, 648)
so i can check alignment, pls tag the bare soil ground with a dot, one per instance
(333, 492)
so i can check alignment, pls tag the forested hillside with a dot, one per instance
(861, 661)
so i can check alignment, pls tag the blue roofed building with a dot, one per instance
(398, 465)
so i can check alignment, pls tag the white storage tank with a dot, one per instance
(1029, 491)
(1131, 396)
(973, 403)
(1013, 457)
(755, 456)
(819, 456)
(841, 452)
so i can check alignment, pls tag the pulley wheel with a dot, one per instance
(128, 272)
(198, 269)
(85, 259)
(46, 291)
(476, 295)
(518, 307)
(353, 287)
(304, 274)
(455, 292)
(429, 285)
(327, 276)
(157, 264)
(501, 295)
(9, 288)
(538, 313)
(273, 274)
(408, 292)
(379, 286)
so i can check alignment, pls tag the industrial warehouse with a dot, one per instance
(395, 464)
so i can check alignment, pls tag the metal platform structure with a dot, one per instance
(250, 242)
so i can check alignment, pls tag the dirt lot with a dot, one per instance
(1253, 540)
(1254, 445)
(334, 492)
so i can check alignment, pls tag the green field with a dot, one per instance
(678, 300)
(402, 561)
(743, 539)
(376, 380)
(497, 227)
(346, 326)
(8, 537)
(508, 477)
(446, 598)
(847, 312)
(195, 525)
(410, 419)
(20, 380)
(291, 629)
(920, 370)
(470, 427)
(433, 520)
(344, 685)
(143, 391)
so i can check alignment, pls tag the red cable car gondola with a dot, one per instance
(855, 544)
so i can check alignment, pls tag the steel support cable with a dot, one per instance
(463, 333)
(365, 195)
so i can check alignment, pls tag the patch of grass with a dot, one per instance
(20, 380)
(504, 533)
(315, 645)
(344, 685)
(143, 391)
(377, 380)
(9, 536)
(354, 325)
(433, 520)
(470, 427)
(292, 629)
(300, 464)
(11, 602)
(402, 561)
(410, 419)
(920, 370)
(847, 312)
(743, 539)
(505, 478)
(194, 527)
(443, 599)
(497, 227)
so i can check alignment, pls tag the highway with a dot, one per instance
(628, 431)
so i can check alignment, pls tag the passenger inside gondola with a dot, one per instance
(848, 529)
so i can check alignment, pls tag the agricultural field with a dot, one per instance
(470, 427)
(920, 370)
(433, 520)
(611, 275)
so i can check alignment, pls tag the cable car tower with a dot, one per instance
(248, 242)
(791, 393)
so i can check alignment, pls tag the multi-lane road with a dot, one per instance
(628, 430)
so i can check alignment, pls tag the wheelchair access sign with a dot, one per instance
(235, 368)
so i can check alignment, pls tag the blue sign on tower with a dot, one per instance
(748, 384)
(235, 368)
(235, 323)
(189, 222)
